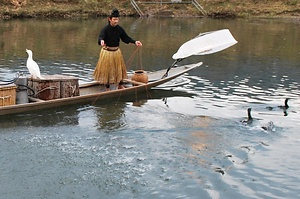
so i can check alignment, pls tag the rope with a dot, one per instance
(131, 58)
(20, 85)
(47, 88)
(140, 58)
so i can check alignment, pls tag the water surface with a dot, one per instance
(174, 142)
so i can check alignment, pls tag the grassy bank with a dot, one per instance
(95, 8)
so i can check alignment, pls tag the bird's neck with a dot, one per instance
(286, 104)
(249, 115)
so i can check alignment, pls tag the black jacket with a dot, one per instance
(112, 35)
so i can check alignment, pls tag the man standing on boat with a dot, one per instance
(111, 68)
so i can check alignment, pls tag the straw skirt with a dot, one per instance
(110, 68)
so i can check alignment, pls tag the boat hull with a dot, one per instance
(90, 94)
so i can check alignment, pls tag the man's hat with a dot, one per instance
(114, 13)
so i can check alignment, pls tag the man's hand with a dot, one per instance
(138, 43)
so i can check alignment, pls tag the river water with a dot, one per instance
(175, 142)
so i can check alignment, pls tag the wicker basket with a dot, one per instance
(8, 95)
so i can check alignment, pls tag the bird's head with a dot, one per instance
(29, 51)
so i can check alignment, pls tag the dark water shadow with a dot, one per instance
(109, 109)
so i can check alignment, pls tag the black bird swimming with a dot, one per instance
(249, 120)
(286, 106)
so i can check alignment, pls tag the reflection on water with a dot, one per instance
(174, 142)
(54, 117)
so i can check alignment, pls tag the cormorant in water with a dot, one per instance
(249, 120)
(286, 106)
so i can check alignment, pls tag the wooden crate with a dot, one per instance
(54, 86)
(69, 86)
(8, 95)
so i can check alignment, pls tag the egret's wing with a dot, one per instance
(33, 68)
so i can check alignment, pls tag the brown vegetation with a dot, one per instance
(248, 8)
(94, 8)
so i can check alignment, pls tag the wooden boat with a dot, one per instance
(203, 44)
(93, 91)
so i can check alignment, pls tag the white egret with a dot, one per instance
(32, 66)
